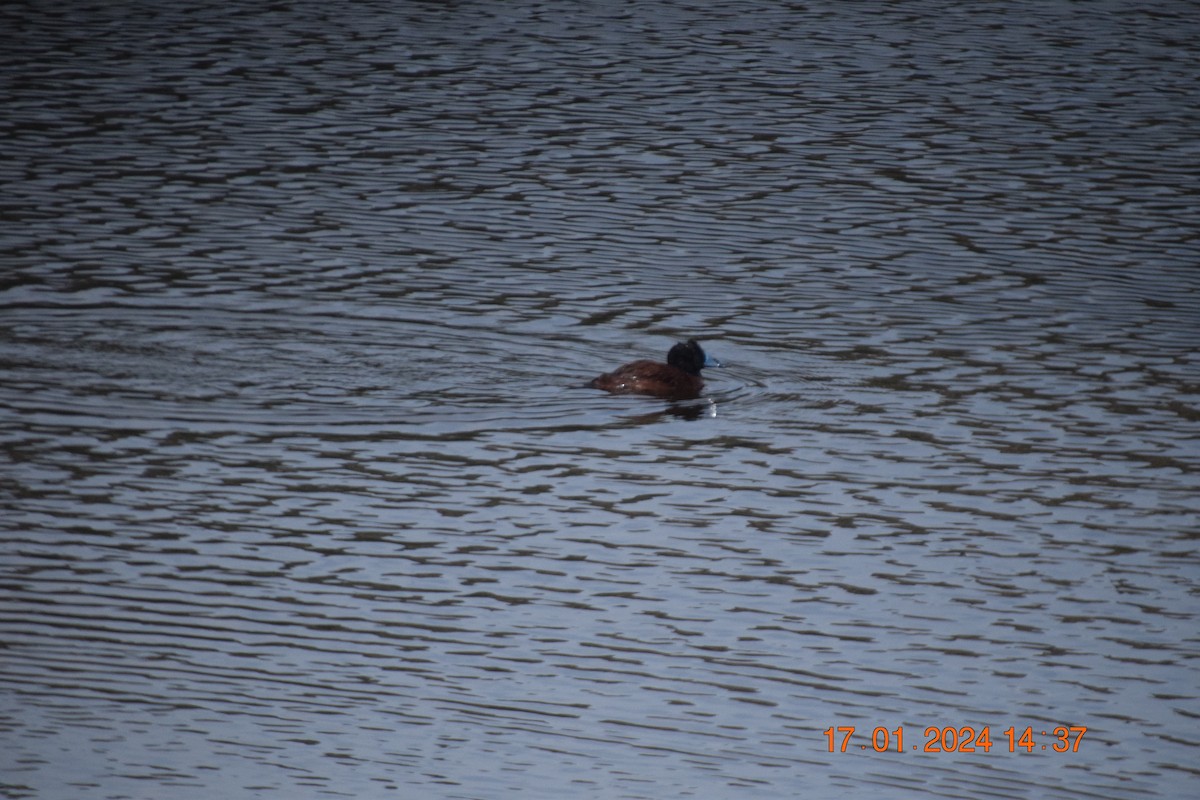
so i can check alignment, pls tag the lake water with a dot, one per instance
(303, 495)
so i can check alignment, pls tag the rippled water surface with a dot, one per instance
(303, 494)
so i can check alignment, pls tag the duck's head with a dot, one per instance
(690, 357)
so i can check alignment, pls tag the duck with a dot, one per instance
(678, 379)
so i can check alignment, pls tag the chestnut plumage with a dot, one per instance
(678, 379)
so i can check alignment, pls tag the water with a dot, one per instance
(304, 497)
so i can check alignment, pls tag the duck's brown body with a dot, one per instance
(652, 378)
(678, 379)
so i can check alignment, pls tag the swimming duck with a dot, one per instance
(678, 379)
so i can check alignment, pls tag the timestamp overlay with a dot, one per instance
(949, 739)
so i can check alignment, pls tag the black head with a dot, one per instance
(689, 357)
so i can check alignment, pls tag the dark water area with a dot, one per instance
(303, 494)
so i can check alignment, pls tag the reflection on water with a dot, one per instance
(304, 494)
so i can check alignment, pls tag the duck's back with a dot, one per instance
(652, 378)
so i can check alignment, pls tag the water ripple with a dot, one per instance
(305, 493)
